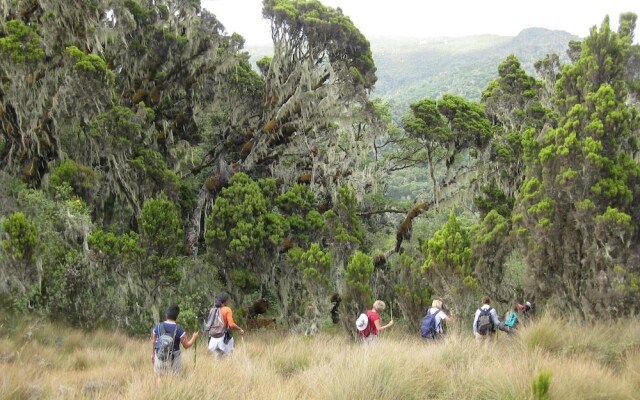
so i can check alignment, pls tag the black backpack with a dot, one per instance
(428, 327)
(485, 325)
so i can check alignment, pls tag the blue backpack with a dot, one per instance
(428, 327)
(512, 319)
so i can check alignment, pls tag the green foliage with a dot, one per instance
(21, 233)
(449, 250)
(585, 172)
(22, 43)
(358, 275)
(150, 261)
(540, 386)
(90, 62)
(325, 28)
(412, 291)
(245, 80)
(80, 178)
(298, 208)
(263, 65)
(141, 13)
(244, 279)
(494, 199)
(315, 265)
(349, 227)
(161, 226)
(241, 219)
(448, 266)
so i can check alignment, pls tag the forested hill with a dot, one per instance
(411, 69)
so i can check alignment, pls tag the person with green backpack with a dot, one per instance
(512, 319)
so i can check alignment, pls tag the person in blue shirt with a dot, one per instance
(173, 364)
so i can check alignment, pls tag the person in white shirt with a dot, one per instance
(439, 316)
(486, 320)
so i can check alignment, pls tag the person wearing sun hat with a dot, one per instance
(374, 323)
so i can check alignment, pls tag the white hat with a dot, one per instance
(362, 322)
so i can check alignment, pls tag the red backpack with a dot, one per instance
(364, 325)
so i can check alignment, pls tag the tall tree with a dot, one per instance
(578, 210)
(316, 85)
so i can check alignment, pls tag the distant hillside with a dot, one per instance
(409, 70)
(412, 69)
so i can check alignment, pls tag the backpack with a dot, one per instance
(485, 321)
(215, 324)
(428, 327)
(164, 351)
(362, 325)
(512, 319)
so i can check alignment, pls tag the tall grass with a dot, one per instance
(556, 359)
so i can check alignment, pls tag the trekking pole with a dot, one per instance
(195, 352)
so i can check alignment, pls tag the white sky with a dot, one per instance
(434, 18)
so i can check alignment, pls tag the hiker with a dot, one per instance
(512, 319)
(221, 345)
(486, 320)
(374, 324)
(166, 338)
(431, 324)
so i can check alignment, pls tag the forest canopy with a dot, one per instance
(145, 160)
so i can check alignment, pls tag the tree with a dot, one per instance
(315, 266)
(243, 233)
(358, 293)
(577, 212)
(19, 243)
(315, 86)
(147, 266)
(448, 266)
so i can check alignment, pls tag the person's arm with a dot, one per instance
(188, 343)
(228, 317)
(494, 317)
(496, 321)
(381, 327)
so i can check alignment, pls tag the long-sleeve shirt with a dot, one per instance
(227, 316)
(494, 317)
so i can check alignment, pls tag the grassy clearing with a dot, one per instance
(44, 360)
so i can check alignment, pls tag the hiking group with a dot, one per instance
(485, 322)
(167, 336)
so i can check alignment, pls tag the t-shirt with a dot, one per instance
(169, 327)
(439, 318)
(373, 317)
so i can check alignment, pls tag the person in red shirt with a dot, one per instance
(370, 335)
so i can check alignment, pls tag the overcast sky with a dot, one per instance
(434, 18)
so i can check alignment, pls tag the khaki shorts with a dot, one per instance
(168, 367)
